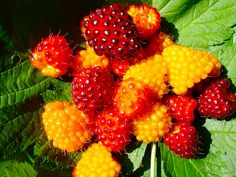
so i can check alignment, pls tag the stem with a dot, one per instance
(153, 156)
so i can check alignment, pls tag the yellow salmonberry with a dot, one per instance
(152, 126)
(152, 72)
(66, 126)
(87, 58)
(187, 66)
(97, 161)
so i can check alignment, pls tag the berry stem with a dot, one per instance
(153, 162)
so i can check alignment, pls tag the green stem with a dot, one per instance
(153, 156)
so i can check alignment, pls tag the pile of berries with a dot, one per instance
(131, 79)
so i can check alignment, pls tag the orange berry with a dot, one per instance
(132, 97)
(187, 66)
(66, 126)
(152, 73)
(153, 125)
(146, 19)
(89, 59)
(97, 161)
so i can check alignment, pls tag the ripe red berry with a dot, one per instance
(181, 107)
(157, 43)
(183, 140)
(92, 89)
(52, 56)
(119, 67)
(217, 101)
(113, 130)
(146, 18)
(110, 31)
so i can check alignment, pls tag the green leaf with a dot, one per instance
(206, 23)
(226, 53)
(20, 83)
(136, 156)
(223, 134)
(60, 91)
(172, 10)
(16, 169)
(48, 157)
(18, 132)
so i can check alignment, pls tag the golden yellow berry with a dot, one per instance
(187, 66)
(89, 59)
(97, 161)
(152, 126)
(65, 125)
(152, 72)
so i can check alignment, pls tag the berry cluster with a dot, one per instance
(131, 79)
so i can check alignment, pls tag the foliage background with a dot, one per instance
(24, 149)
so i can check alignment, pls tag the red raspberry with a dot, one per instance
(146, 18)
(181, 108)
(92, 89)
(119, 67)
(113, 130)
(157, 43)
(52, 56)
(183, 140)
(110, 31)
(217, 101)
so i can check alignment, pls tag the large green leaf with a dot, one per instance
(18, 132)
(20, 83)
(16, 169)
(200, 23)
(227, 55)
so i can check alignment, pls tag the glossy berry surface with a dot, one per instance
(119, 67)
(183, 140)
(113, 130)
(52, 56)
(187, 66)
(217, 101)
(146, 19)
(152, 73)
(132, 98)
(87, 58)
(153, 125)
(92, 89)
(96, 161)
(157, 43)
(181, 107)
(66, 126)
(111, 32)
